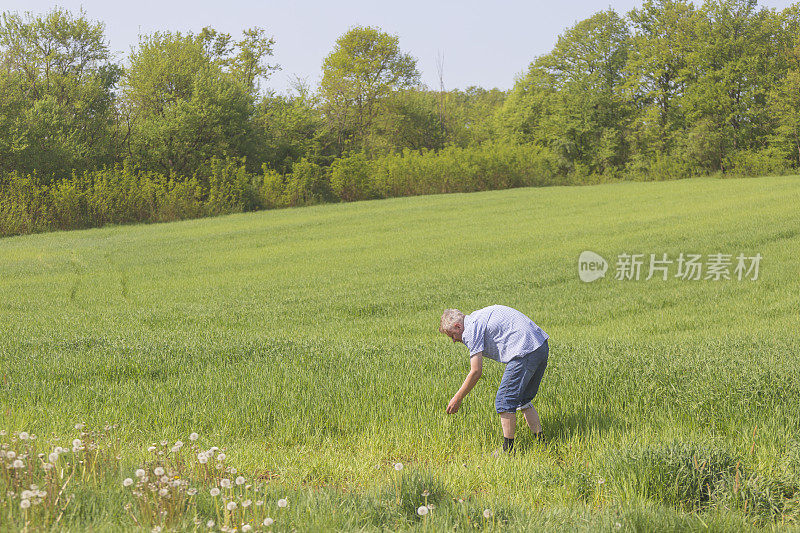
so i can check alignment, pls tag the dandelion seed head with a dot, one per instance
(24, 435)
(53, 457)
(79, 426)
(225, 483)
(221, 457)
(151, 449)
(191, 492)
(210, 524)
(247, 503)
(487, 513)
(214, 491)
(202, 458)
(128, 482)
(158, 471)
(26, 495)
(164, 442)
(76, 443)
(18, 464)
(240, 480)
(268, 521)
(246, 528)
(231, 506)
(398, 466)
(194, 436)
(140, 472)
(24, 504)
(164, 491)
(283, 502)
(422, 510)
(11, 454)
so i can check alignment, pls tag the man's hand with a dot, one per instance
(453, 406)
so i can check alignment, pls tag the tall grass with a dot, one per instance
(305, 343)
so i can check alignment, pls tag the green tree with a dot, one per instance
(57, 101)
(363, 69)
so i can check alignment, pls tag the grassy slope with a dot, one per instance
(305, 340)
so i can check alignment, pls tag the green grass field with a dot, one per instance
(305, 343)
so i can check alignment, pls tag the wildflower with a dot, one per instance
(151, 449)
(11, 454)
(191, 492)
(79, 426)
(210, 524)
(487, 513)
(221, 457)
(164, 442)
(246, 528)
(24, 504)
(202, 458)
(140, 472)
(164, 479)
(179, 443)
(18, 464)
(246, 503)
(156, 529)
(268, 521)
(158, 471)
(175, 449)
(76, 443)
(422, 510)
(59, 450)
(231, 506)
(214, 491)
(23, 436)
(232, 470)
(194, 436)
(398, 466)
(2, 433)
(128, 482)
(225, 483)
(47, 466)
(53, 457)
(240, 480)
(26, 495)
(283, 502)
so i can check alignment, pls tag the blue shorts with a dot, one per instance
(521, 380)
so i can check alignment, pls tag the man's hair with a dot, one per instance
(450, 318)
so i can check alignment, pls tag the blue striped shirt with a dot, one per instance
(501, 333)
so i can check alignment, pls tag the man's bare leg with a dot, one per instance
(509, 423)
(532, 418)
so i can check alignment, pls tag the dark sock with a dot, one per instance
(508, 444)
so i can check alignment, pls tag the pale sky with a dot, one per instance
(483, 43)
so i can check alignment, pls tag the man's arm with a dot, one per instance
(475, 371)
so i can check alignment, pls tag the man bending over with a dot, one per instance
(509, 337)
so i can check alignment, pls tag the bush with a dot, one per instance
(351, 178)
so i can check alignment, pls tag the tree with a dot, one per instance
(363, 69)
(57, 103)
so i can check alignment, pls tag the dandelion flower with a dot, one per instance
(210, 524)
(240, 480)
(11, 454)
(246, 528)
(164, 491)
(283, 502)
(24, 504)
(179, 443)
(164, 442)
(24, 436)
(47, 466)
(76, 443)
(18, 464)
(27, 495)
(259, 503)
(128, 482)
(53, 457)
(246, 503)
(214, 491)
(194, 436)
(156, 529)
(268, 521)
(225, 483)
(221, 457)
(487, 513)
(140, 472)
(398, 466)
(191, 492)
(158, 471)
(151, 449)
(79, 426)
(422, 510)
(175, 449)
(231, 506)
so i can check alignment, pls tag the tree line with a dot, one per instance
(187, 126)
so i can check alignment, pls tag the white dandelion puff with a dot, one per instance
(487, 513)
(283, 502)
(76, 443)
(246, 503)
(24, 504)
(128, 482)
(53, 457)
(231, 506)
(164, 491)
(214, 491)
(140, 472)
(210, 524)
(221, 457)
(151, 449)
(225, 483)
(422, 510)
(24, 436)
(246, 528)
(18, 464)
(268, 521)
(240, 480)
(158, 471)
(398, 466)
(194, 436)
